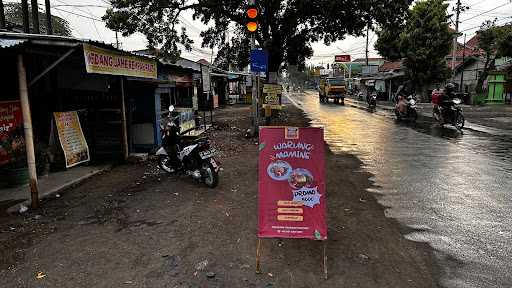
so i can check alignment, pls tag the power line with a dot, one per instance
(79, 15)
(498, 20)
(485, 12)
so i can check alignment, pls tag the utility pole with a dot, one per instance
(367, 42)
(49, 27)
(2, 15)
(117, 41)
(35, 16)
(462, 72)
(455, 44)
(24, 11)
(255, 91)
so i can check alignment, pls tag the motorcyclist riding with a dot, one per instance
(447, 100)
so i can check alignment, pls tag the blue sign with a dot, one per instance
(259, 60)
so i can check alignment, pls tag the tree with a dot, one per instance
(287, 27)
(234, 54)
(13, 14)
(495, 42)
(388, 42)
(425, 43)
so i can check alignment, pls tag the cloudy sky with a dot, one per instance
(84, 17)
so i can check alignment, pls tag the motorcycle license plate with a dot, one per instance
(207, 154)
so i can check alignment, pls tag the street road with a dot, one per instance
(453, 190)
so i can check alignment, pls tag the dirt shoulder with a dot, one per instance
(135, 227)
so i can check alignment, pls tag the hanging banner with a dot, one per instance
(292, 202)
(11, 131)
(103, 61)
(71, 138)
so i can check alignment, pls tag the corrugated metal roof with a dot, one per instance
(6, 43)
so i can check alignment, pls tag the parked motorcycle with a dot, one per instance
(410, 112)
(194, 159)
(372, 101)
(447, 111)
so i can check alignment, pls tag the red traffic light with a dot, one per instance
(252, 13)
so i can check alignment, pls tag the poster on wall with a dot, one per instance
(292, 195)
(215, 101)
(71, 138)
(11, 131)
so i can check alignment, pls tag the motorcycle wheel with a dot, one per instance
(164, 162)
(459, 121)
(414, 115)
(210, 176)
(398, 116)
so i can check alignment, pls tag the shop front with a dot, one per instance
(71, 95)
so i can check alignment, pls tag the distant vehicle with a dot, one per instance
(372, 101)
(332, 88)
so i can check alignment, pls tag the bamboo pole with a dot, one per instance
(35, 16)
(2, 15)
(258, 257)
(29, 139)
(49, 26)
(24, 11)
(123, 120)
(325, 260)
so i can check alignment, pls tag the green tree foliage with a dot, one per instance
(426, 41)
(14, 15)
(234, 54)
(495, 42)
(388, 42)
(287, 27)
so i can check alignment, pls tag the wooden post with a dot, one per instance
(24, 11)
(29, 139)
(258, 256)
(49, 26)
(35, 16)
(2, 15)
(123, 122)
(325, 259)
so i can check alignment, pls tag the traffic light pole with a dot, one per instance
(255, 91)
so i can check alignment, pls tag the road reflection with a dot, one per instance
(455, 190)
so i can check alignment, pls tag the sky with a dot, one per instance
(84, 17)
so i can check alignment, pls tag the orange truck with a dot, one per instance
(332, 88)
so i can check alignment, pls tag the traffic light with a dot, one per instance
(252, 14)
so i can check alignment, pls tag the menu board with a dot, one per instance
(71, 138)
(272, 96)
(291, 197)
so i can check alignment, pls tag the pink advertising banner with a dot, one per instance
(292, 195)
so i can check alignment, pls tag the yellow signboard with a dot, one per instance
(71, 138)
(103, 61)
(272, 94)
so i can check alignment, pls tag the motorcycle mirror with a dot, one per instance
(171, 108)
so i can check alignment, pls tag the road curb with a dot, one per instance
(52, 192)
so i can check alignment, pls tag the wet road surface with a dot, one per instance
(453, 190)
